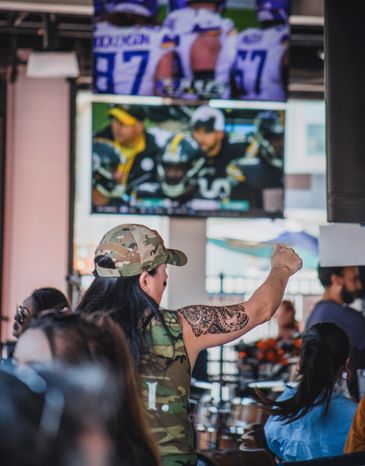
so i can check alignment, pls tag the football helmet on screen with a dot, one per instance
(105, 162)
(99, 7)
(179, 166)
(270, 136)
(173, 5)
(269, 125)
(220, 4)
(272, 10)
(146, 8)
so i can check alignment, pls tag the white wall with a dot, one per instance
(186, 285)
(37, 189)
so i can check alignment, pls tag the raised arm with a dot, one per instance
(206, 326)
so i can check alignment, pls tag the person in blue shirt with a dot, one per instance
(312, 418)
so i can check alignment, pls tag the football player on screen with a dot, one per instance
(137, 146)
(179, 166)
(132, 52)
(105, 183)
(208, 129)
(261, 64)
(262, 168)
(205, 48)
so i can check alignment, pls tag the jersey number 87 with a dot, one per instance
(104, 69)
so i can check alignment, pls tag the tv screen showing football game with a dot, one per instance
(192, 49)
(188, 160)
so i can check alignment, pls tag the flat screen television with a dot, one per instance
(221, 158)
(192, 50)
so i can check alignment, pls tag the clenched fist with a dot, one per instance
(284, 257)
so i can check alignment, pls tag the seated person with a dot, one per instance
(288, 328)
(311, 419)
(75, 339)
(356, 437)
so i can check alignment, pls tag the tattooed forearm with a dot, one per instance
(211, 319)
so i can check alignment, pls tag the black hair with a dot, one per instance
(325, 274)
(19, 420)
(47, 298)
(40, 300)
(323, 354)
(78, 339)
(25, 439)
(127, 304)
(206, 126)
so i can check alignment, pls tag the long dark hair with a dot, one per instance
(77, 339)
(324, 351)
(47, 298)
(126, 303)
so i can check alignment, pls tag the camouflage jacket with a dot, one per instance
(165, 380)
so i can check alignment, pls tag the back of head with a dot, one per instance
(325, 274)
(325, 350)
(272, 12)
(323, 355)
(76, 340)
(40, 300)
(124, 253)
(123, 299)
(47, 298)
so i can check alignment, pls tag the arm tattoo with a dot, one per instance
(214, 320)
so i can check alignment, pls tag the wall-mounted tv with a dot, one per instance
(192, 49)
(187, 160)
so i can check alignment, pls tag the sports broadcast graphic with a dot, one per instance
(192, 49)
(187, 160)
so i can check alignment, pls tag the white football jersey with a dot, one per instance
(188, 23)
(258, 64)
(186, 20)
(125, 58)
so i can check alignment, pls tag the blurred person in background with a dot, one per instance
(275, 357)
(130, 279)
(312, 417)
(73, 340)
(342, 286)
(56, 417)
(40, 300)
(288, 327)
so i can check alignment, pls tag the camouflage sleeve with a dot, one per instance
(206, 320)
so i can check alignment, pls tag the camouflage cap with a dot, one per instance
(135, 248)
